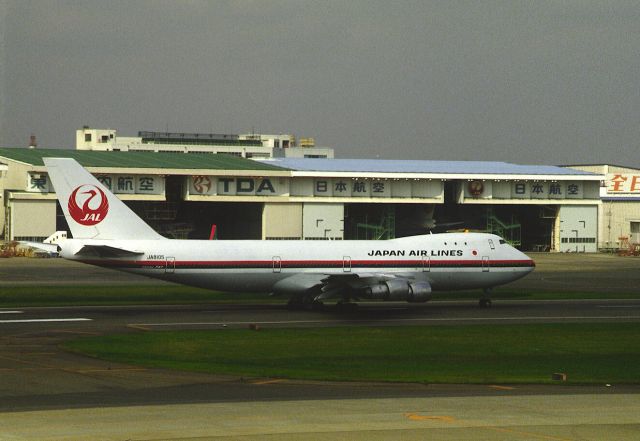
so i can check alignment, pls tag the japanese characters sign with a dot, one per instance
(132, 184)
(620, 183)
(374, 188)
(119, 184)
(547, 190)
(38, 183)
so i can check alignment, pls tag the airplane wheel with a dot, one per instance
(295, 304)
(346, 306)
(485, 303)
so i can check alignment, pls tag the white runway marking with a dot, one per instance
(620, 306)
(373, 322)
(46, 320)
(11, 312)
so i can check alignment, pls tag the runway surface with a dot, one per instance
(48, 394)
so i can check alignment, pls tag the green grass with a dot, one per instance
(587, 353)
(98, 295)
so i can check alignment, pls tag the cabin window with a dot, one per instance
(502, 241)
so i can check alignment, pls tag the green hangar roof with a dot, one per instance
(89, 158)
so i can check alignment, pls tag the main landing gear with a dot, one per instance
(307, 303)
(346, 306)
(485, 300)
(304, 303)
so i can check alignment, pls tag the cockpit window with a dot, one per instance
(502, 241)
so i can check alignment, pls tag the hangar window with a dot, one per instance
(635, 232)
(578, 240)
(87, 137)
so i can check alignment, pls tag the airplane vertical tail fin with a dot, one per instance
(91, 210)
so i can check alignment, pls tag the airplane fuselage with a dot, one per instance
(446, 261)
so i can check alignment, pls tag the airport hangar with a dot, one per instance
(542, 208)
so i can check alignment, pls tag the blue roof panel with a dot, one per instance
(421, 166)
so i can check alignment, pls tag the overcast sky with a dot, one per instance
(542, 82)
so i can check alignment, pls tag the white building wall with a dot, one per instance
(617, 218)
(95, 139)
(32, 219)
(282, 221)
(272, 145)
(323, 221)
(578, 228)
(619, 211)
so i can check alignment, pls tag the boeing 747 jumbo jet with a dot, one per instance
(107, 233)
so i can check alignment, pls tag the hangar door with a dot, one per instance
(578, 229)
(282, 221)
(33, 220)
(323, 221)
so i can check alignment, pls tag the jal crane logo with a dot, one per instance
(94, 207)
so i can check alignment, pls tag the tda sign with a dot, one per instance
(206, 185)
(247, 186)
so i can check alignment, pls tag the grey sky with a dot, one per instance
(528, 82)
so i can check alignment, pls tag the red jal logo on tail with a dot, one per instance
(93, 211)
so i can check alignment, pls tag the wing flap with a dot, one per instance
(325, 285)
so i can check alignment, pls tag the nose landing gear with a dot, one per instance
(485, 300)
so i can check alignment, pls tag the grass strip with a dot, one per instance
(99, 295)
(587, 353)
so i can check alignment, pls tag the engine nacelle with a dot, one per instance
(398, 289)
(420, 292)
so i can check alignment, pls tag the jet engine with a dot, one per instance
(398, 289)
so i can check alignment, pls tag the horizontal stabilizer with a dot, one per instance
(46, 247)
(106, 251)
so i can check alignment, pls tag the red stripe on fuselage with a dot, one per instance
(309, 263)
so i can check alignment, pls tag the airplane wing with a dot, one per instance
(46, 247)
(106, 251)
(380, 286)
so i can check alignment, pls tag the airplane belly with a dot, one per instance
(474, 278)
(227, 281)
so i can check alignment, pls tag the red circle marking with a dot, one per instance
(86, 215)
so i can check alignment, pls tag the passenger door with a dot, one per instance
(485, 264)
(346, 264)
(277, 264)
(170, 265)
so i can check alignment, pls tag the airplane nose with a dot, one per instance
(529, 263)
(532, 265)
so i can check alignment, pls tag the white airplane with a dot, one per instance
(107, 233)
